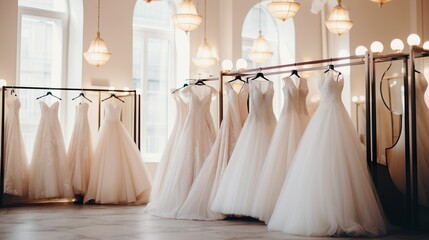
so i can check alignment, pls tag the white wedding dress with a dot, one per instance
(396, 164)
(197, 204)
(236, 190)
(287, 135)
(118, 175)
(16, 165)
(49, 176)
(181, 112)
(192, 149)
(79, 154)
(328, 190)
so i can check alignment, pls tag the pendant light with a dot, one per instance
(97, 53)
(381, 2)
(260, 51)
(339, 21)
(206, 55)
(187, 18)
(283, 9)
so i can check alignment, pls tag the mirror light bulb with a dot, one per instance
(413, 39)
(426, 45)
(227, 65)
(360, 50)
(355, 99)
(241, 64)
(377, 47)
(362, 98)
(3, 83)
(397, 45)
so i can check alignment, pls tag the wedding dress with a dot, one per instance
(197, 204)
(328, 190)
(79, 154)
(16, 165)
(236, 190)
(181, 111)
(192, 149)
(396, 164)
(118, 175)
(287, 134)
(49, 176)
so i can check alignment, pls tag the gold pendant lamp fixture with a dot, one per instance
(187, 18)
(381, 2)
(283, 9)
(339, 20)
(206, 55)
(260, 51)
(97, 53)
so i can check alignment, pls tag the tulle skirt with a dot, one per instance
(237, 187)
(328, 190)
(118, 175)
(280, 154)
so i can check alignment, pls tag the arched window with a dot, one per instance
(156, 68)
(42, 55)
(280, 37)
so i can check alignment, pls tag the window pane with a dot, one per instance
(156, 15)
(53, 5)
(40, 65)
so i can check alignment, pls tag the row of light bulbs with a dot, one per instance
(396, 45)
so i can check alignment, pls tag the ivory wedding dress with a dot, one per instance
(287, 135)
(181, 112)
(192, 149)
(328, 190)
(79, 154)
(236, 190)
(16, 165)
(118, 175)
(197, 204)
(49, 176)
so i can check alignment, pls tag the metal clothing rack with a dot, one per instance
(136, 116)
(287, 68)
(416, 52)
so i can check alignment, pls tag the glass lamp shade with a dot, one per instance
(377, 47)
(426, 45)
(241, 64)
(413, 39)
(381, 2)
(339, 21)
(397, 45)
(206, 56)
(97, 54)
(283, 9)
(260, 52)
(227, 65)
(187, 18)
(360, 50)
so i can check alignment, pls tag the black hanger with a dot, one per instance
(294, 72)
(49, 93)
(12, 91)
(260, 75)
(177, 89)
(331, 67)
(417, 71)
(237, 78)
(200, 82)
(81, 95)
(114, 96)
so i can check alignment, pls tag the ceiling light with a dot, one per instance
(283, 9)
(187, 18)
(381, 2)
(339, 21)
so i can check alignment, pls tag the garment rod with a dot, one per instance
(71, 89)
(295, 64)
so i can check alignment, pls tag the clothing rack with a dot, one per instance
(136, 115)
(299, 66)
(416, 52)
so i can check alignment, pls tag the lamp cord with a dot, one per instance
(260, 16)
(339, 3)
(98, 19)
(205, 20)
